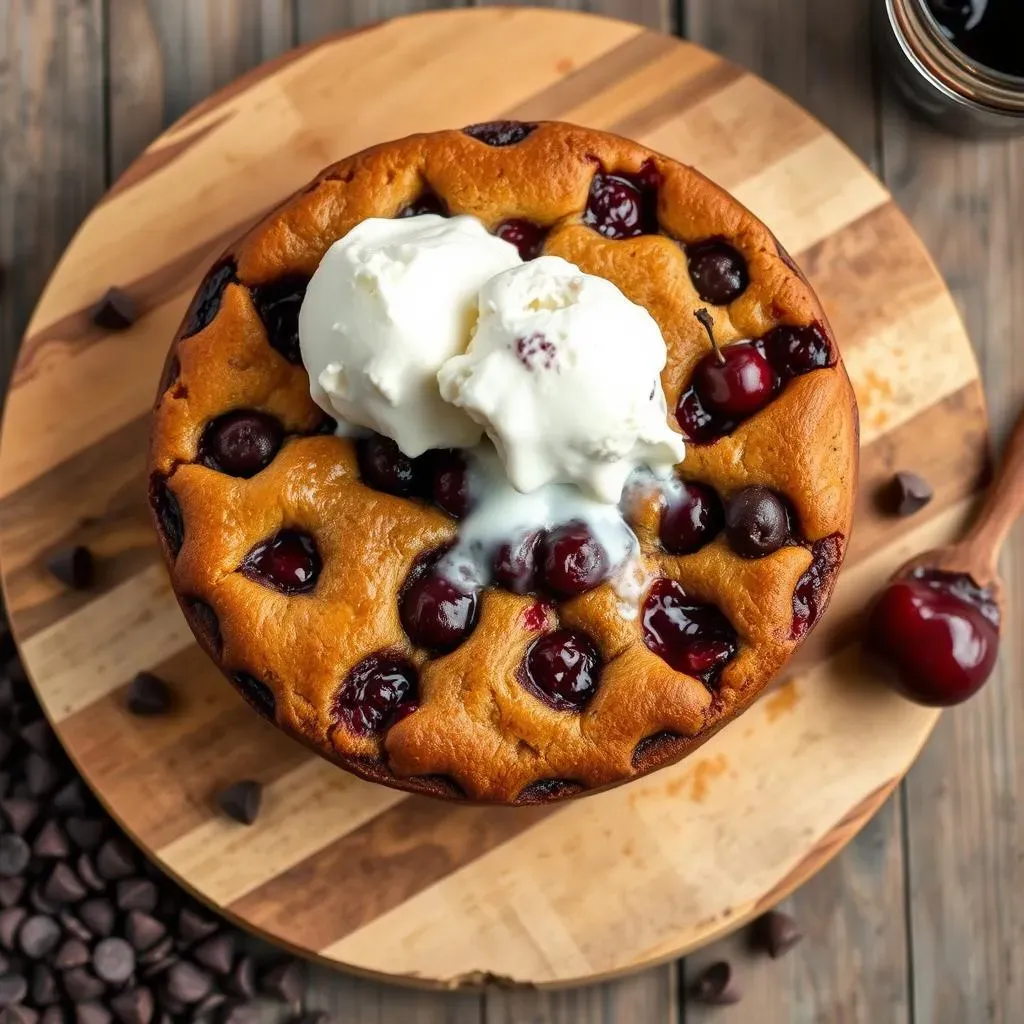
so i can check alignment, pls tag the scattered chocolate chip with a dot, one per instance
(113, 960)
(72, 953)
(50, 842)
(716, 986)
(43, 990)
(162, 951)
(217, 952)
(74, 567)
(87, 873)
(70, 798)
(142, 930)
(193, 926)
(10, 921)
(98, 916)
(241, 1013)
(41, 774)
(63, 885)
(85, 833)
(14, 855)
(19, 813)
(134, 1006)
(13, 988)
(18, 1014)
(38, 936)
(92, 1013)
(158, 966)
(776, 933)
(136, 894)
(38, 735)
(909, 493)
(53, 1015)
(116, 311)
(115, 860)
(74, 927)
(39, 903)
(242, 980)
(285, 981)
(188, 983)
(212, 1002)
(11, 890)
(81, 985)
(241, 801)
(148, 695)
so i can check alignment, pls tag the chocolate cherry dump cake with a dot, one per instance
(504, 464)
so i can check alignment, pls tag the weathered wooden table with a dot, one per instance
(922, 917)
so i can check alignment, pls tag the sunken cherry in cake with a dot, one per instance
(309, 565)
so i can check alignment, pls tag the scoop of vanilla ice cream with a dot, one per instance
(388, 305)
(563, 374)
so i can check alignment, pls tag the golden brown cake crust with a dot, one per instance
(477, 732)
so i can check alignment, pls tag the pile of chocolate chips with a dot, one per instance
(90, 932)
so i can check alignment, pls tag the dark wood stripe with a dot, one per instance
(380, 865)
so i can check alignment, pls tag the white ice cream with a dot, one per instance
(563, 374)
(389, 304)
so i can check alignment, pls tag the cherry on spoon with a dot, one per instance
(937, 623)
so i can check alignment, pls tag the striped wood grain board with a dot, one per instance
(356, 874)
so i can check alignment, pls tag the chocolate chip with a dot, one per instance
(53, 1015)
(38, 735)
(242, 980)
(148, 695)
(162, 952)
(98, 916)
(74, 567)
(19, 813)
(115, 860)
(188, 983)
(50, 842)
(85, 832)
(13, 988)
(11, 890)
(87, 873)
(70, 798)
(38, 936)
(72, 953)
(285, 981)
(776, 933)
(18, 1014)
(716, 986)
(92, 1013)
(74, 927)
(756, 522)
(193, 926)
(142, 930)
(136, 894)
(14, 855)
(116, 311)
(43, 989)
(5, 777)
(241, 1013)
(241, 801)
(217, 952)
(10, 921)
(41, 774)
(39, 903)
(63, 885)
(212, 1002)
(910, 493)
(134, 1006)
(113, 960)
(81, 985)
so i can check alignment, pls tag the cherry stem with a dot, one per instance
(708, 323)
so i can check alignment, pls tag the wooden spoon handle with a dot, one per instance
(1003, 504)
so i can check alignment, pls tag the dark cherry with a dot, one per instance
(384, 467)
(379, 691)
(809, 595)
(572, 560)
(794, 351)
(206, 303)
(257, 694)
(500, 133)
(241, 443)
(564, 667)
(526, 235)
(436, 613)
(940, 632)
(691, 518)
(756, 522)
(288, 562)
(693, 638)
(515, 564)
(450, 485)
(428, 202)
(623, 205)
(718, 271)
(168, 513)
(735, 382)
(278, 305)
(696, 423)
(205, 623)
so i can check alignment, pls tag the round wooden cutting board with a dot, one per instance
(356, 874)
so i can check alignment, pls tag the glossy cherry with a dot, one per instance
(384, 467)
(278, 305)
(515, 564)
(734, 382)
(241, 443)
(718, 271)
(206, 303)
(572, 560)
(794, 351)
(288, 562)
(623, 205)
(693, 638)
(811, 589)
(691, 518)
(757, 522)
(450, 482)
(500, 133)
(435, 612)
(939, 631)
(378, 692)
(564, 667)
(526, 235)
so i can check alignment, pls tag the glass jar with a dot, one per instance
(955, 90)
